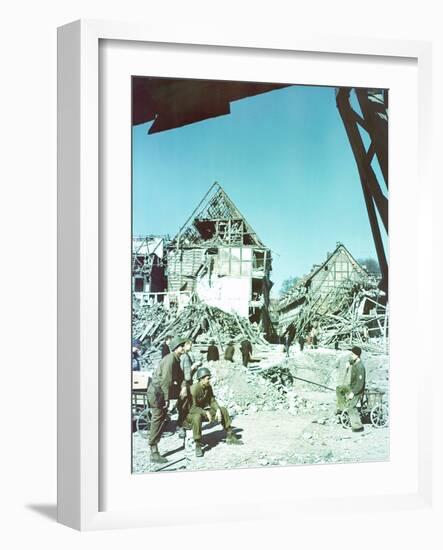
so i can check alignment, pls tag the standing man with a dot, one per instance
(246, 351)
(314, 335)
(212, 354)
(166, 350)
(349, 395)
(289, 338)
(205, 407)
(188, 367)
(229, 351)
(167, 383)
(301, 341)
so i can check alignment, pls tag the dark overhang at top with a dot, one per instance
(175, 102)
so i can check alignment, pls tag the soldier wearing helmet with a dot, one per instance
(205, 407)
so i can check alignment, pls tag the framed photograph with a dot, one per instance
(232, 308)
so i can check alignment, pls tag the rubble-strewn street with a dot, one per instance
(281, 419)
(209, 289)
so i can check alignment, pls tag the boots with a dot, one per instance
(198, 449)
(232, 439)
(156, 456)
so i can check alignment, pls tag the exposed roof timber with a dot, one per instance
(215, 205)
(292, 296)
(172, 103)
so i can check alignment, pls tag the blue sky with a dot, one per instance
(284, 159)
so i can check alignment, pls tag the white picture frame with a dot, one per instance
(80, 207)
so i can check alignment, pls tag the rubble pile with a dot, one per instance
(347, 315)
(197, 321)
(281, 419)
(243, 392)
(280, 376)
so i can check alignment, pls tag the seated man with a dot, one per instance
(188, 366)
(349, 395)
(205, 407)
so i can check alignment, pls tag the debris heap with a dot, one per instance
(349, 314)
(197, 321)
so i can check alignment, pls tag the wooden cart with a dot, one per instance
(373, 409)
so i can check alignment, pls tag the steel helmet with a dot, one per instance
(177, 341)
(202, 372)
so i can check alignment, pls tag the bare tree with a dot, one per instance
(287, 284)
(370, 265)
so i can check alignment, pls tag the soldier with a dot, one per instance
(212, 354)
(229, 352)
(205, 407)
(349, 395)
(167, 383)
(188, 366)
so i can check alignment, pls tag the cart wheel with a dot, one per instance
(143, 423)
(345, 420)
(379, 415)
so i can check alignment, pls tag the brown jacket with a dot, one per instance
(202, 398)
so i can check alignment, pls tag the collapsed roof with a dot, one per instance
(216, 222)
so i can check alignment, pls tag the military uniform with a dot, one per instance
(357, 387)
(166, 384)
(203, 400)
(184, 403)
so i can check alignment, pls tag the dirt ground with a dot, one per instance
(279, 424)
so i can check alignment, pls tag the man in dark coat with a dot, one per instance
(246, 351)
(301, 341)
(205, 407)
(167, 383)
(288, 338)
(212, 354)
(348, 396)
(166, 350)
(229, 352)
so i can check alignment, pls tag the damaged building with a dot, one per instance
(148, 270)
(338, 289)
(216, 257)
(219, 257)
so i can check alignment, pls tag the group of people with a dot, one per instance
(310, 338)
(213, 353)
(181, 378)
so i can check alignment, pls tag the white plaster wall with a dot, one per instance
(227, 293)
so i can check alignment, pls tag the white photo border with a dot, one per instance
(80, 292)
